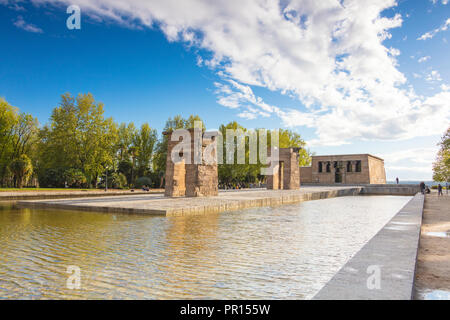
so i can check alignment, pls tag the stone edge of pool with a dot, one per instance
(393, 250)
(215, 205)
(39, 195)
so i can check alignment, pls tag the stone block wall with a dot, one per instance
(306, 175)
(191, 179)
(175, 174)
(286, 175)
(202, 180)
(377, 171)
(344, 168)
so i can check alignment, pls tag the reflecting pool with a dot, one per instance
(286, 252)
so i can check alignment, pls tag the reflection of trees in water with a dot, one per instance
(40, 244)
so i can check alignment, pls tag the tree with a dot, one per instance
(8, 121)
(441, 167)
(125, 138)
(177, 122)
(79, 137)
(22, 169)
(289, 139)
(234, 173)
(145, 141)
(18, 132)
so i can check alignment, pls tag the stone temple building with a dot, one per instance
(191, 180)
(345, 169)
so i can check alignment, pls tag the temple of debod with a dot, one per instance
(192, 189)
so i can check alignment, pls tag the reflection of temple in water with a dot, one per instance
(191, 247)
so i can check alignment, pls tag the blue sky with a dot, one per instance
(351, 76)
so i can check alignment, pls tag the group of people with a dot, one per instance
(425, 189)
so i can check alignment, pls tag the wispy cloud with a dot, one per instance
(21, 24)
(424, 59)
(433, 76)
(444, 2)
(431, 34)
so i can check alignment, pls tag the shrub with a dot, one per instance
(51, 178)
(75, 178)
(125, 167)
(118, 181)
(143, 181)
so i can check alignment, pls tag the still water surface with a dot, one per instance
(287, 252)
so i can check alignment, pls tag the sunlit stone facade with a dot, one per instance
(344, 169)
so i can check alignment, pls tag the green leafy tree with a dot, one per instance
(8, 121)
(18, 133)
(145, 141)
(125, 139)
(441, 167)
(79, 137)
(290, 139)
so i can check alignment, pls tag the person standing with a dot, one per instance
(446, 187)
(396, 179)
(440, 190)
(422, 187)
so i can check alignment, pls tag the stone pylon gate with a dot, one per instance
(192, 179)
(286, 174)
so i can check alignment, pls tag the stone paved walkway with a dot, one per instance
(433, 265)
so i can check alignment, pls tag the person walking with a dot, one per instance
(446, 187)
(396, 179)
(440, 190)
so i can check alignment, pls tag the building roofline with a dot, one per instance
(354, 154)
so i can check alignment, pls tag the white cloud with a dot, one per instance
(21, 24)
(445, 87)
(431, 34)
(415, 155)
(424, 59)
(444, 2)
(414, 163)
(328, 54)
(433, 76)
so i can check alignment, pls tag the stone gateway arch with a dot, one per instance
(191, 179)
(286, 174)
(200, 178)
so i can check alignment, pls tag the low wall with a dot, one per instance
(379, 189)
(391, 189)
(392, 252)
